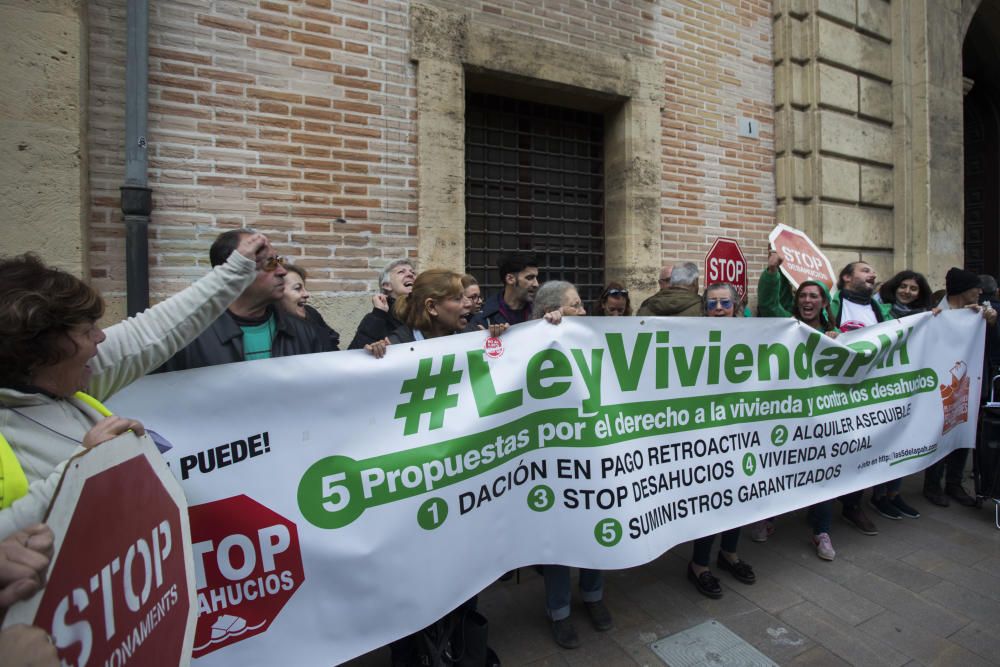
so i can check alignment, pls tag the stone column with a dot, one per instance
(42, 122)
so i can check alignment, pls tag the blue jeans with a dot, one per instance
(820, 516)
(557, 589)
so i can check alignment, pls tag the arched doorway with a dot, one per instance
(981, 69)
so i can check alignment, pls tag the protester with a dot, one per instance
(679, 297)
(436, 306)
(294, 301)
(519, 275)
(254, 326)
(51, 349)
(906, 293)
(473, 293)
(963, 290)
(395, 281)
(557, 295)
(719, 300)
(558, 298)
(614, 301)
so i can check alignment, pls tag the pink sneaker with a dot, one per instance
(824, 547)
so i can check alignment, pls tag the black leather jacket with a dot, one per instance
(222, 342)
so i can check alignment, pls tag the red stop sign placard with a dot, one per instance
(118, 590)
(725, 263)
(801, 259)
(247, 566)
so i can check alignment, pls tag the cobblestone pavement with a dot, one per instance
(921, 592)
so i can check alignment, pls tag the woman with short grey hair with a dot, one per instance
(557, 295)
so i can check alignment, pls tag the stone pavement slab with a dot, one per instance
(922, 592)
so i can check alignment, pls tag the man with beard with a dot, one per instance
(519, 275)
(253, 327)
(395, 280)
(853, 306)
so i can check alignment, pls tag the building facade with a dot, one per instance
(610, 136)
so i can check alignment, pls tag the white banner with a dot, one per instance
(340, 502)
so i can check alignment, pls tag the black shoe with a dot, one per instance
(565, 634)
(885, 507)
(706, 583)
(857, 518)
(599, 615)
(936, 496)
(740, 569)
(959, 495)
(904, 507)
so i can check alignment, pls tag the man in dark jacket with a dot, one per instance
(395, 281)
(519, 275)
(678, 297)
(253, 327)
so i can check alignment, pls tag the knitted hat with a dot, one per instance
(958, 280)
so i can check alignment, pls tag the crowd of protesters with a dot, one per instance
(255, 305)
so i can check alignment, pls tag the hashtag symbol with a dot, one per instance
(439, 401)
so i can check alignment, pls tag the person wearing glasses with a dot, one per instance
(614, 301)
(254, 326)
(720, 300)
(472, 292)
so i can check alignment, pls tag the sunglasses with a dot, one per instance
(725, 304)
(273, 262)
(617, 292)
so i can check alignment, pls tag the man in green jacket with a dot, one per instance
(680, 297)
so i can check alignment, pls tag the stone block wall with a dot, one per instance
(286, 115)
(42, 150)
(834, 115)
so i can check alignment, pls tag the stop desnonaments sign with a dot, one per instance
(121, 585)
(801, 258)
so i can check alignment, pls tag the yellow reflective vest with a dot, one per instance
(13, 483)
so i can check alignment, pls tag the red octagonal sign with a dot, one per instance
(118, 589)
(725, 263)
(247, 566)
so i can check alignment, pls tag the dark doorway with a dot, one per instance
(981, 67)
(534, 182)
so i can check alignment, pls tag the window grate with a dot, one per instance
(534, 183)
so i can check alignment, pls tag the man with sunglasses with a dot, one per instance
(253, 327)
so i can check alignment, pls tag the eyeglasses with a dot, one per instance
(477, 297)
(616, 292)
(273, 262)
(725, 304)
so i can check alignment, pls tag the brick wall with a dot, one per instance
(287, 115)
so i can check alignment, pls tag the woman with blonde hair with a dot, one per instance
(437, 306)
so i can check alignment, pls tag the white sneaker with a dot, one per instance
(824, 547)
(760, 531)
